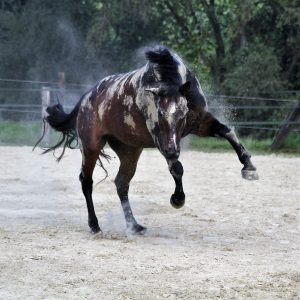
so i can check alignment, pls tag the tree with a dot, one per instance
(193, 27)
(119, 29)
(212, 33)
(42, 38)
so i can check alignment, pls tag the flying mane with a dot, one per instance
(165, 65)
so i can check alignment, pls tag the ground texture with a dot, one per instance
(234, 239)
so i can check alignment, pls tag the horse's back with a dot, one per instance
(111, 107)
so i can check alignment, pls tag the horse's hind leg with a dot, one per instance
(210, 126)
(128, 161)
(89, 159)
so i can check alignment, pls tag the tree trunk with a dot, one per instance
(219, 67)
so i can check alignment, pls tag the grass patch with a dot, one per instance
(14, 133)
(22, 133)
(27, 134)
(290, 146)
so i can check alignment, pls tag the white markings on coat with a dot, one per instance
(174, 141)
(86, 102)
(128, 119)
(120, 83)
(81, 149)
(170, 112)
(103, 81)
(128, 102)
(145, 103)
(112, 89)
(117, 86)
(183, 106)
(103, 108)
(173, 108)
(137, 76)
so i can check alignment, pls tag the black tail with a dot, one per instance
(64, 123)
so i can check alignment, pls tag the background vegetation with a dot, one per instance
(237, 48)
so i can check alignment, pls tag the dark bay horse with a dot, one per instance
(154, 106)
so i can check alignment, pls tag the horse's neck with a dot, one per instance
(137, 76)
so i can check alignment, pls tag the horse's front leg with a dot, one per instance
(210, 126)
(178, 198)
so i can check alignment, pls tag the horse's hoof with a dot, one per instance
(95, 230)
(249, 174)
(177, 200)
(136, 229)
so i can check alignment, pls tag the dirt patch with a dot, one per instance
(234, 239)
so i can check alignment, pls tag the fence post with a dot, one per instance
(286, 127)
(61, 86)
(45, 98)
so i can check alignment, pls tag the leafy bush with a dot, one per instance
(254, 71)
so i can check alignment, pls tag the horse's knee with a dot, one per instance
(176, 168)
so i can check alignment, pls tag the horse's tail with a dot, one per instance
(62, 122)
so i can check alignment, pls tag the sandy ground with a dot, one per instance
(234, 239)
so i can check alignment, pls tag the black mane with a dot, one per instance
(164, 63)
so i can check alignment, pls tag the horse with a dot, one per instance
(154, 106)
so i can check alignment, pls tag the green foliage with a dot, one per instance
(254, 71)
(24, 133)
(245, 48)
(185, 26)
(87, 39)
(217, 38)
(43, 38)
(27, 134)
(260, 146)
(119, 30)
(14, 133)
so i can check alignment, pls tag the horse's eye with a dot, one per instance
(57, 107)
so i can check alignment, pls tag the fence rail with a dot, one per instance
(249, 98)
(211, 106)
(233, 106)
(42, 82)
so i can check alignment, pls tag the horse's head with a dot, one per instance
(171, 110)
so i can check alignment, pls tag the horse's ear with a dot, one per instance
(153, 90)
(185, 88)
